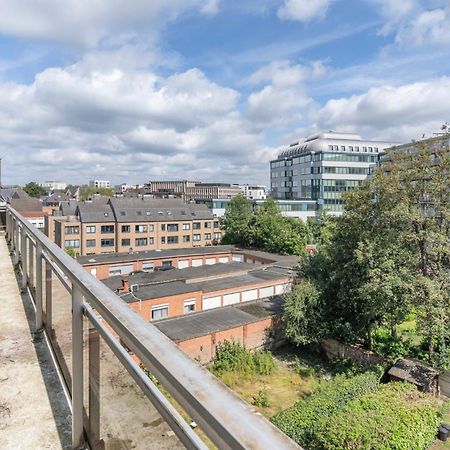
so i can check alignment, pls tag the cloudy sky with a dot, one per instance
(210, 89)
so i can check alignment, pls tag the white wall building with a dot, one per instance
(100, 183)
(253, 192)
(54, 185)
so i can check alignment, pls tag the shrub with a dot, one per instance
(396, 417)
(261, 399)
(231, 356)
(302, 420)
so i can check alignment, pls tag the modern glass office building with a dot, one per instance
(323, 166)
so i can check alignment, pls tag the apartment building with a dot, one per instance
(324, 166)
(54, 185)
(100, 184)
(192, 190)
(253, 192)
(128, 224)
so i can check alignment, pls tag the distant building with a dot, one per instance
(324, 166)
(28, 207)
(54, 185)
(301, 209)
(253, 192)
(192, 190)
(100, 184)
(108, 225)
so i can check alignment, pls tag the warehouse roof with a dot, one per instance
(205, 322)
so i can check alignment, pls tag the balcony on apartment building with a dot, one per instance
(68, 372)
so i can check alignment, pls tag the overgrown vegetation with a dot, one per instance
(34, 190)
(264, 228)
(232, 357)
(303, 421)
(388, 255)
(359, 413)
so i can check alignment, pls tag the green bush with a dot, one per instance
(231, 356)
(302, 421)
(396, 417)
(261, 399)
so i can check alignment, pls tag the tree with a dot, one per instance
(236, 221)
(301, 314)
(272, 232)
(34, 190)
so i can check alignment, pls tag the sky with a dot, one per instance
(210, 90)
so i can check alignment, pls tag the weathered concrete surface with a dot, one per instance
(33, 410)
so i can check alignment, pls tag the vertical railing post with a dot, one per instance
(94, 387)
(38, 297)
(77, 369)
(16, 242)
(48, 296)
(23, 258)
(8, 226)
(31, 261)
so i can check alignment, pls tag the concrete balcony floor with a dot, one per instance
(34, 413)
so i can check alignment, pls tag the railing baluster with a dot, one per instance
(31, 261)
(16, 243)
(38, 297)
(77, 368)
(48, 296)
(24, 259)
(94, 386)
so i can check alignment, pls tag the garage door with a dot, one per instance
(282, 288)
(231, 299)
(224, 259)
(197, 262)
(238, 258)
(212, 302)
(249, 295)
(121, 270)
(266, 292)
(210, 261)
(183, 263)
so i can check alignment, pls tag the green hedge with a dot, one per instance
(397, 417)
(302, 421)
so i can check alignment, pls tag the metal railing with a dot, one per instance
(228, 422)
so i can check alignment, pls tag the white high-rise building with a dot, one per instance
(253, 192)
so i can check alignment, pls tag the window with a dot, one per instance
(151, 240)
(217, 235)
(208, 224)
(126, 228)
(196, 225)
(163, 227)
(126, 242)
(140, 242)
(163, 240)
(90, 243)
(186, 226)
(216, 224)
(160, 311)
(172, 227)
(105, 229)
(90, 229)
(208, 236)
(72, 230)
(186, 238)
(189, 306)
(196, 237)
(148, 266)
(140, 228)
(107, 243)
(151, 228)
(167, 263)
(72, 243)
(172, 239)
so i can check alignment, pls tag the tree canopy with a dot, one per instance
(34, 190)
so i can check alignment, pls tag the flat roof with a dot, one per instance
(203, 323)
(152, 254)
(200, 273)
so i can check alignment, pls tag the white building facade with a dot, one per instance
(54, 185)
(100, 184)
(324, 166)
(253, 192)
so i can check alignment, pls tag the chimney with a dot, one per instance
(125, 285)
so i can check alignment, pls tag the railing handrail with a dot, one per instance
(227, 420)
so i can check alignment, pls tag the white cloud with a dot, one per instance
(85, 22)
(388, 112)
(303, 10)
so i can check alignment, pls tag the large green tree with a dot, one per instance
(34, 190)
(236, 221)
